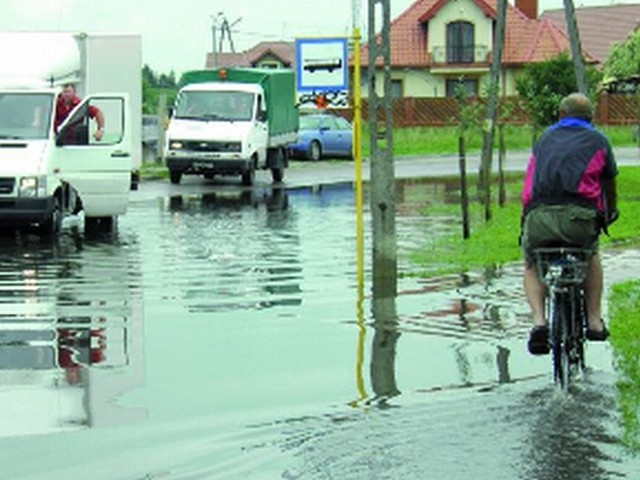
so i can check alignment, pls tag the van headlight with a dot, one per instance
(33, 186)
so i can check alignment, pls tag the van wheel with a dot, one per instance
(53, 224)
(175, 176)
(248, 176)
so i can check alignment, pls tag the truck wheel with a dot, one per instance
(315, 151)
(248, 176)
(175, 176)
(277, 174)
(278, 162)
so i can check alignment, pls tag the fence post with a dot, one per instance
(409, 107)
(604, 108)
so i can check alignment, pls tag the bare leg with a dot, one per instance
(593, 293)
(534, 289)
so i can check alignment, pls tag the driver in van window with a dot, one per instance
(67, 101)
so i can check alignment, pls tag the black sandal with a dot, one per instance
(539, 340)
(598, 335)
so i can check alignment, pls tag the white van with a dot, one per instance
(48, 173)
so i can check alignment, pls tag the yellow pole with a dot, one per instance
(357, 156)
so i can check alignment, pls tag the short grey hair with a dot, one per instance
(576, 105)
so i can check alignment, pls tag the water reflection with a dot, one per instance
(383, 349)
(246, 237)
(70, 332)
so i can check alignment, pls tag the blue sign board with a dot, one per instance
(321, 64)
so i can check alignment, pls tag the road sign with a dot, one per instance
(321, 73)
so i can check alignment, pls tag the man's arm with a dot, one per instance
(96, 113)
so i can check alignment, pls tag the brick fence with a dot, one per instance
(612, 109)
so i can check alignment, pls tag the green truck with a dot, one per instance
(232, 121)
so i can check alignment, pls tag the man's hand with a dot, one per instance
(98, 135)
(613, 216)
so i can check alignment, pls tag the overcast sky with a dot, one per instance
(176, 34)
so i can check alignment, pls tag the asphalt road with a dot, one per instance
(301, 173)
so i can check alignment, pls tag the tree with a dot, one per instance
(468, 118)
(542, 86)
(624, 58)
(154, 85)
(149, 76)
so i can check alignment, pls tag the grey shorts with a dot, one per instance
(555, 225)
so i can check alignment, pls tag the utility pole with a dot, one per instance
(385, 256)
(576, 50)
(492, 107)
(214, 28)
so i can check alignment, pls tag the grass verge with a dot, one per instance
(624, 323)
(496, 242)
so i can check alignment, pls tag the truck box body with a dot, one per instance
(278, 86)
(66, 169)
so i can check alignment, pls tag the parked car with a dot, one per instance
(323, 135)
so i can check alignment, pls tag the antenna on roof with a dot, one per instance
(226, 29)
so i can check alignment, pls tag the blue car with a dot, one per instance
(323, 135)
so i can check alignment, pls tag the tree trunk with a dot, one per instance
(464, 194)
(492, 108)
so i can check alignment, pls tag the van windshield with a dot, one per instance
(25, 116)
(215, 106)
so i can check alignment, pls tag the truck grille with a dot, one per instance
(205, 146)
(6, 185)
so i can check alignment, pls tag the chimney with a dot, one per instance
(528, 7)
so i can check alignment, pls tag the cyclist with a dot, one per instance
(569, 196)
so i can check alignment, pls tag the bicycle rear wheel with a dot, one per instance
(559, 343)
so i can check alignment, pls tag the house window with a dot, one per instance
(268, 64)
(470, 86)
(460, 42)
(396, 88)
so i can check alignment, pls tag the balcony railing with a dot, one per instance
(457, 54)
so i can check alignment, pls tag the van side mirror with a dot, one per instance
(263, 116)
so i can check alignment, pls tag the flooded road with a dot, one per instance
(220, 336)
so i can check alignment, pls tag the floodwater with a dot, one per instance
(220, 336)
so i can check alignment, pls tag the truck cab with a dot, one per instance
(218, 129)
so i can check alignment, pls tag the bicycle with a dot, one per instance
(563, 271)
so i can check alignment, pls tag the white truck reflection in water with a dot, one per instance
(66, 353)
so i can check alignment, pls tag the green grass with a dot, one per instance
(496, 242)
(624, 323)
(444, 140)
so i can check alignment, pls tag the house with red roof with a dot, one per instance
(600, 27)
(435, 43)
(262, 55)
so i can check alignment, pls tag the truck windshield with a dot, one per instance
(25, 116)
(215, 105)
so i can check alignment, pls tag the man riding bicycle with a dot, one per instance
(569, 196)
